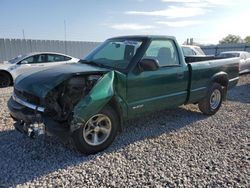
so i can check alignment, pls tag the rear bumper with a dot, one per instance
(244, 71)
(233, 82)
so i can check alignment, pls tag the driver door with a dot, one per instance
(163, 88)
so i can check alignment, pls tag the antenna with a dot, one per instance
(65, 37)
(23, 34)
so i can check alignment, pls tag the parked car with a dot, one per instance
(244, 59)
(31, 62)
(123, 78)
(195, 54)
(191, 50)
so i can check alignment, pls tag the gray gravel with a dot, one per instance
(172, 148)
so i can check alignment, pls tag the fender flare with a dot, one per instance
(222, 79)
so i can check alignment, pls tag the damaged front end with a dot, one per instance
(65, 107)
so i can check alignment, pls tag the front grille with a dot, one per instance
(27, 97)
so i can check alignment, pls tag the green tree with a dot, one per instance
(231, 39)
(247, 39)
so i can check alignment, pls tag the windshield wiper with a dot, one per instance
(89, 62)
(92, 63)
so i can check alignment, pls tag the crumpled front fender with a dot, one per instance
(98, 97)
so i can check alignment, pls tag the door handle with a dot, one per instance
(180, 75)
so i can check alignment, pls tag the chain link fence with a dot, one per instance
(216, 49)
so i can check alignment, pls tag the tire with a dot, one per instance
(5, 80)
(91, 138)
(212, 102)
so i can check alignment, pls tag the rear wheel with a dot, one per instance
(98, 132)
(5, 80)
(212, 102)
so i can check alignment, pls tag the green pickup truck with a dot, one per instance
(123, 78)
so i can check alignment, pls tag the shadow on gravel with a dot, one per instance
(240, 93)
(23, 159)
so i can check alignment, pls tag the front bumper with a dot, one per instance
(26, 118)
(22, 113)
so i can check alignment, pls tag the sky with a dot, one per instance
(207, 21)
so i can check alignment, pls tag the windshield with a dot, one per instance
(114, 53)
(17, 59)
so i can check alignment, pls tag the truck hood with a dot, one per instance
(40, 83)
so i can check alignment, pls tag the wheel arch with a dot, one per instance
(222, 79)
(97, 100)
(8, 73)
(118, 109)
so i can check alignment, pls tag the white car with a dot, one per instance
(30, 63)
(244, 59)
(191, 50)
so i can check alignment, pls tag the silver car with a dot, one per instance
(191, 50)
(31, 62)
(244, 59)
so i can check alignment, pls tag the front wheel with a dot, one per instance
(212, 102)
(98, 132)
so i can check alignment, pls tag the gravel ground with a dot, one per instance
(172, 148)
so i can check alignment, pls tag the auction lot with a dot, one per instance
(172, 148)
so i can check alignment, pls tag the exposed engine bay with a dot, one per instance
(59, 102)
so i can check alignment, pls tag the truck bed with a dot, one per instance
(203, 72)
(194, 59)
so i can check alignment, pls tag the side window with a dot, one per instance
(30, 59)
(164, 51)
(59, 58)
(41, 58)
(67, 58)
(36, 59)
(55, 58)
(50, 58)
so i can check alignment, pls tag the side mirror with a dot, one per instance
(149, 65)
(24, 62)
